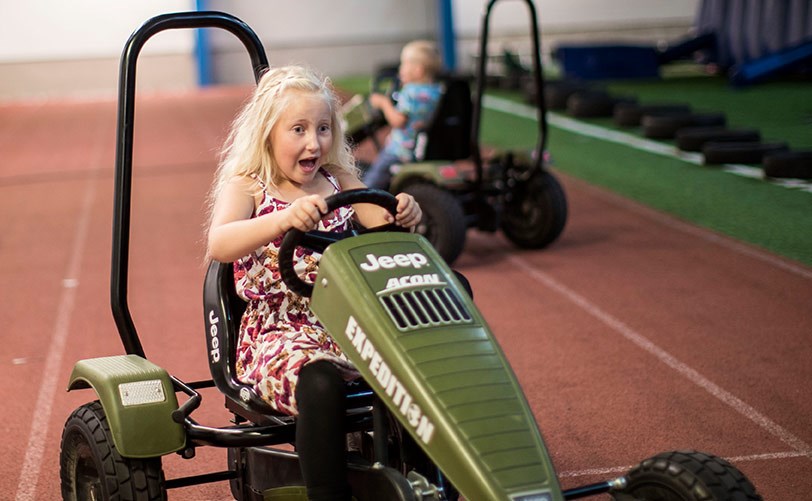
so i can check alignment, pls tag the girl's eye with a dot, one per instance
(324, 128)
(298, 129)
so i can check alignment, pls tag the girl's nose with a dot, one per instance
(312, 141)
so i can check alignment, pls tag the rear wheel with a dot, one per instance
(535, 211)
(91, 468)
(687, 476)
(443, 223)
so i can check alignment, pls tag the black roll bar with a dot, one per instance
(538, 82)
(124, 144)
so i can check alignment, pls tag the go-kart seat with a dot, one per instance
(448, 134)
(223, 309)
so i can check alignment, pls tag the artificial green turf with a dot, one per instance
(775, 218)
(781, 110)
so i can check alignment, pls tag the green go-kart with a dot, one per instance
(459, 184)
(439, 411)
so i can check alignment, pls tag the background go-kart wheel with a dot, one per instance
(90, 467)
(687, 476)
(535, 212)
(443, 222)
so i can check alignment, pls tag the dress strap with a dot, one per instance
(332, 179)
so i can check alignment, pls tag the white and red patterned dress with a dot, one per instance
(278, 332)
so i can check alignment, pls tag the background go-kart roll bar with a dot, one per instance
(124, 145)
(538, 83)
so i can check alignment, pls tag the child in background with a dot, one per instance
(417, 100)
(285, 154)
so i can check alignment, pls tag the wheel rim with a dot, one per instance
(655, 491)
(526, 214)
(86, 476)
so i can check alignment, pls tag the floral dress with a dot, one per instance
(278, 332)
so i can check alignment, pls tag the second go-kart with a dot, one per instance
(457, 183)
(439, 411)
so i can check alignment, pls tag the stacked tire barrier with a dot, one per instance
(704, 132)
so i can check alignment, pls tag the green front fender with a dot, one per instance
(138, 398)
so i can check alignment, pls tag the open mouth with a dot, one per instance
(308, 164)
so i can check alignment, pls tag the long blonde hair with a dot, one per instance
(248, 151)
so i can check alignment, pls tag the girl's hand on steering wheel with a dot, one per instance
(305, 213)
(408, 211)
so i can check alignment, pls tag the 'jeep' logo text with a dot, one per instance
(413, 259)
(215, 339)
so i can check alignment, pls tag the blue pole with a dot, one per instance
(202, 52)
(448, 49)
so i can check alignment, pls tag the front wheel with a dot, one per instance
(687, 476)
(90, 467)
(535, 211)
(443, 223)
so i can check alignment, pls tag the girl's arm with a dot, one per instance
(234, 233)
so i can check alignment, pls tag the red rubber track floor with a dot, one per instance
(633, 334)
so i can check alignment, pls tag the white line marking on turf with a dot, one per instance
(631, 140)
(29, 475)
(644, 343)
(624, 469)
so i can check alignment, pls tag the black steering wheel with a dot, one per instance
(319, 240)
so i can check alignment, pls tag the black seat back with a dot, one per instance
(448, 135)
(223, 309)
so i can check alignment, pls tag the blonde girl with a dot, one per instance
(285, 154)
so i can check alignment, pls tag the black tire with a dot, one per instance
(789, 164)
(556, 93)
(535, 211)
(443, 223)
(630, 114)
(693, 138)
(90, 467)
(687, 476)
(750, 152)
(666, 126)
(593, 104)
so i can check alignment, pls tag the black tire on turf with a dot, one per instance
(693, 138)
(629, 114)
(739, 152)
(556, 93)
(535, 211)
(443, 223)
(789, 164)
(666, 126)
(593, 104)
(687, 476)
(90, 466)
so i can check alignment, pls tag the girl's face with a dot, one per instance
(302, 136)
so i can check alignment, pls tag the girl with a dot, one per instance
(285, 154)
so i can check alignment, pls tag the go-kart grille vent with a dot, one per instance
(425, 308)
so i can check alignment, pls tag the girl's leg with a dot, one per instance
(320, 436)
